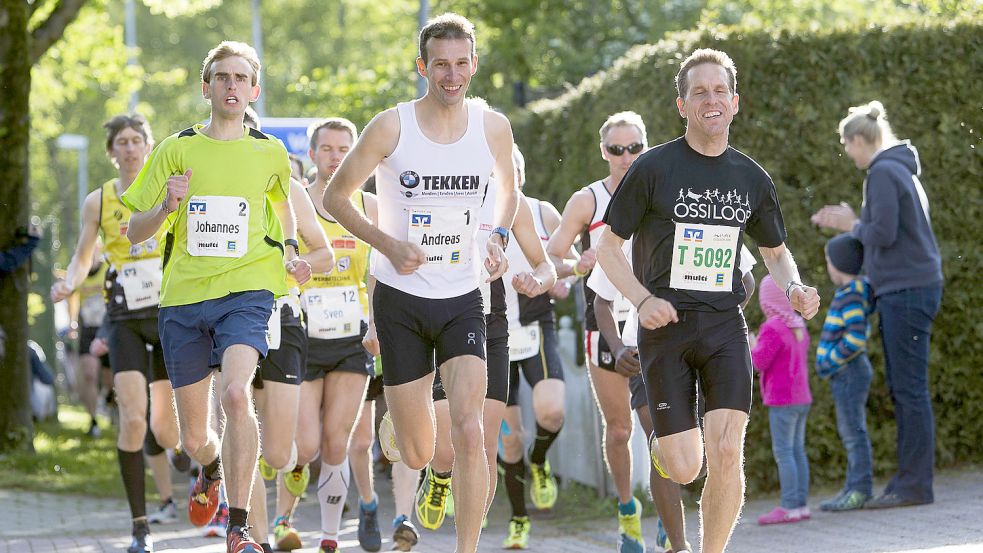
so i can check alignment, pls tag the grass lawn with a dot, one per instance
(66, 460)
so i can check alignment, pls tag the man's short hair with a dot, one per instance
(336, 123)
(623, 119)
(133, 121)
(297, 163)
(699, 57)
(227, 49)
(447, 26)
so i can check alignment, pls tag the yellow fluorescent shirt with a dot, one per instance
(224, 237)
(351, 258)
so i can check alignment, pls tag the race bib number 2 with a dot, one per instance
(703, 257)
(444, 233)
(218, 226)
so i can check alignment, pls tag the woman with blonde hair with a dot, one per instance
(902, 261)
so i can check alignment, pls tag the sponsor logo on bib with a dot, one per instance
(344, 263)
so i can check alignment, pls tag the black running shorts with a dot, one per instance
(709, 348)
(340, 354)
(286, 363)
(498, 362)
(539, 367)
(128, 341)
(416, 333)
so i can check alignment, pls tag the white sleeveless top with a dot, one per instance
(430, 194)
(601, 200)
(519, 264)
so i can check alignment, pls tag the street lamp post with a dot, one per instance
(79, 143)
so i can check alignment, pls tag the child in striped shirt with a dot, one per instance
(842, 358)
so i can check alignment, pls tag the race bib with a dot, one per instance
(273, 328)
(622, 308)
(523, 342)
(333, 312)
(444, 233)
(141, 283)
(93, 310)
(703, 257)
(218, 226)
(291, 300)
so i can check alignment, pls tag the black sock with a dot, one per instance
(237, 517)
(515, 485)
(131, 468)
(141, 527)
(442, 474)
(544, 439)
(211, 469)
(266, 547)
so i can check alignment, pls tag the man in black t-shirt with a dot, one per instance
(687, 204)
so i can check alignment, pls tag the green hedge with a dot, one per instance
(794, 89)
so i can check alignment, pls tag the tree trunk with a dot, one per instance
(16, 430)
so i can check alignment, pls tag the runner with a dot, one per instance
(89, 305)
(687, 236)
(133, 282)
(434, 157)
(623, 139)
(431, 498)
(276, 385)
(222, 190)
(533, 349)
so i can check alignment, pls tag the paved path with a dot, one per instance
(42, 523)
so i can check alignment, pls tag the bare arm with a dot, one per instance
(299, 268)
(371, 340)
(653, 312)
(626, 359)
(498, 132)
(544, 275)
(804, 299)
(576, 217)
(81, 262)
(319, 256)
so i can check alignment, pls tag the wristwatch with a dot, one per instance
(504, 233)
(292, 242)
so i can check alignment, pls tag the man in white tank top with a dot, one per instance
(622, 140)
(433, 158)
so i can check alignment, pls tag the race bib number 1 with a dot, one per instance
(703, 257)
(218, 226)
(444, 233)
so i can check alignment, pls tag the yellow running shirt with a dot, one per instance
(337, 302)
(224, 237)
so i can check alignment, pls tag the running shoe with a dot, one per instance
(653, 446)
(405, 535)
(142, 542)
(217, 527)
(203, 503)
(543, 489)
(296, 481)
(845, 501)
(661, 538)
(286, 537)
(166, 514)
(430, 500)
(387, 438)
(239, 541)
(518, 536)
(94, 431)
(449, 506)
(265, 470)
(630, 531)
(179, 459)
(369, 536)
(328, 546)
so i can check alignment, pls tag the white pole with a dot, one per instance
(260, 104)
(130, 36)
(421, 83)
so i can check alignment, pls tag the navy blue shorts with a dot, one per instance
(195, 336)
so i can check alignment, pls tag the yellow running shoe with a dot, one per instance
(630, 531)
(518, 536)
(387, 438)
(543, 489)
(449, 505)
(285, 536)
(653, 453)
(430, 500)
(296, 481)
(265, 470)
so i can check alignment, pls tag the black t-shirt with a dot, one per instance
(673, 184)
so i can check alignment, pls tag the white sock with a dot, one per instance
(332, 490)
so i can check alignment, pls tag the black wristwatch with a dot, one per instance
(292, 242)
(504, 233)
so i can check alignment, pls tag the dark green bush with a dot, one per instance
(794, 90)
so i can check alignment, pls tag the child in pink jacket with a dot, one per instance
(780, 354)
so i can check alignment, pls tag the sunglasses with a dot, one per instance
(618, 149)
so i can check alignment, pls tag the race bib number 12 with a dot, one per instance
(218, 226)
(703, 257)
(444, 233)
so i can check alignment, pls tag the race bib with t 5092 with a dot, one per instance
(703, 257)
